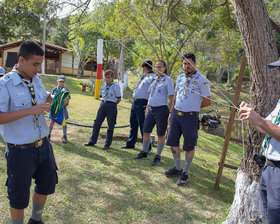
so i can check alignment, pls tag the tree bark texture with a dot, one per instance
(260, 49)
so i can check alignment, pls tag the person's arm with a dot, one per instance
(7, 117)
(264, 126)
(118, 100)
(205, 102)
(49, 99)
(172, 102)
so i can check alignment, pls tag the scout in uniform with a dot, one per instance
(184, 118)
(157, 111)
(23, 105)
(60, 86)
(270, 179)
(111, 96)
(140, 100)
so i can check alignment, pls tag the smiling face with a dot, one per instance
(108, 79)
(28, 68)
(189, 66)
(160, 68)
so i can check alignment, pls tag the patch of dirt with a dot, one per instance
(57, 133)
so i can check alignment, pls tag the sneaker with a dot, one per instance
(64, 139)
(141, 155)
(156, 160)
(31, 221)
(173, 172)
(128, 147)
(183, 179)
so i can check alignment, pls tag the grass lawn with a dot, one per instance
(108, 186)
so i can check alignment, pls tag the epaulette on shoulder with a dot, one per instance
(6, 78)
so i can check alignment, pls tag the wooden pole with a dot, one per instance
(231, 120)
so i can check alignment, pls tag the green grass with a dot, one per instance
(97, 186)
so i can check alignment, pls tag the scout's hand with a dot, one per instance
(42, 108)
(246, 112)
(169, 117)
(66, 101)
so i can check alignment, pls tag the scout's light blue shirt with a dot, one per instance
(192, 102)
(273, 150)
(141, 91)
(162, 89)
(114, 92)
(15, 96)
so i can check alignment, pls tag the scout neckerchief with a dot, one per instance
(32, 93)
(268, 137)
(157, 81)
(107, 88)
(188, 79)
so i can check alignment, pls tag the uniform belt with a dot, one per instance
(106, 101)
(181, 113)
(36, 144)
(273, 163)
(139, 100)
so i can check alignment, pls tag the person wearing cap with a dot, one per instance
(111, 95)
(270, 178)
(157, 111)
(2, 71)
(23, 104)
(191, 87)
(140, 100)
(61, 86)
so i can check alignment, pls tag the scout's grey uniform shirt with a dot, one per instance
(273, 150)
(141, 92)
(114, 92)
(159, 91)
(187, 99)
(15, 96)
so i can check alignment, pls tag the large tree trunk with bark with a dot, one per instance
(261, 49)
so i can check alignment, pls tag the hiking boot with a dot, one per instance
(183, 179)
(173, 172)
(31, 221)
(141, 155)
(64, 139)
(156, 160)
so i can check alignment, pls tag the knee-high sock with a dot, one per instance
(187, 164)
(177, 160)
(65, 131)
(19, 221)
(146, 145)
(37, 211)
(160, 147)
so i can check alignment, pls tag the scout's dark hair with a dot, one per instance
(28, 49)
(109, 73)
(164, 64)
(189, 55)
(148, 65)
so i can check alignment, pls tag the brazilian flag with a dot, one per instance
(57, 107)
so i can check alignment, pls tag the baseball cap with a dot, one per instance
(61, 78)
(274, 64)
(148, 64)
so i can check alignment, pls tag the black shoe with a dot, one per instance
(89, 144)
(31, 221)
(106, 147)
(156, 160)
(128, 147)
(64, 140)
(183, 179)
(173, 172)
(141, 155)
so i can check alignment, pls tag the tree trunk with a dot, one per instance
(260, 49)
(219, 74)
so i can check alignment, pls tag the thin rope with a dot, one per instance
(219, 146)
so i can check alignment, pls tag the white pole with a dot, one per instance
(44, 41)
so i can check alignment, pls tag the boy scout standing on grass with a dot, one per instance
(23, 105)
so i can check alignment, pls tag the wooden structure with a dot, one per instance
(58, 60)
